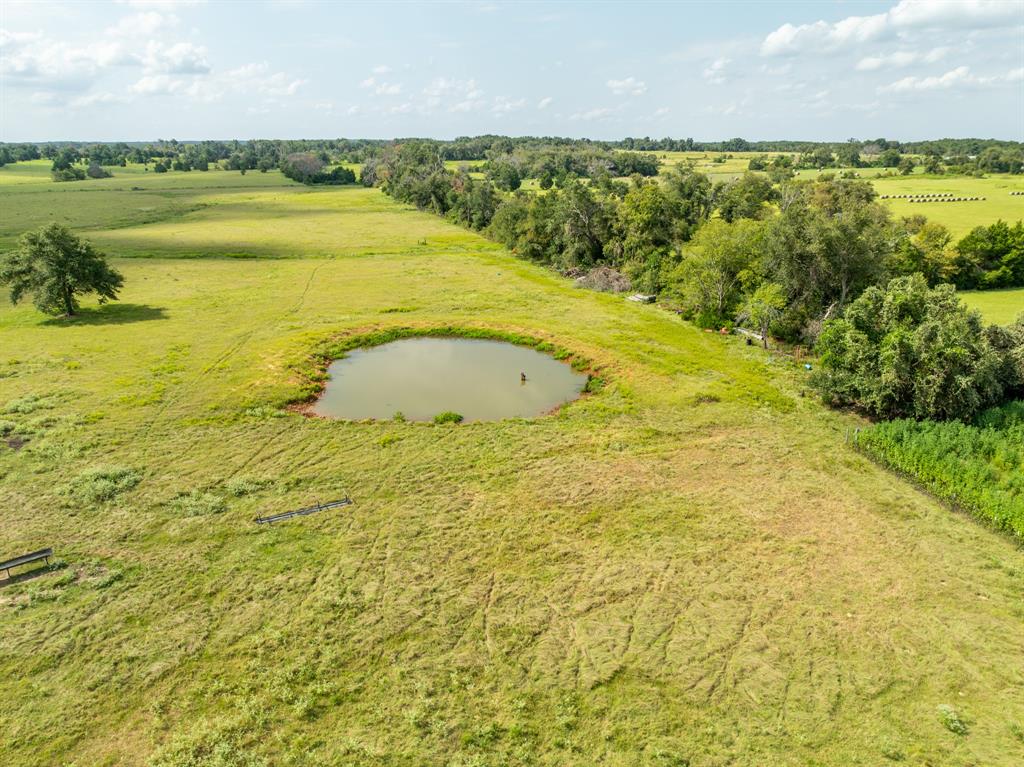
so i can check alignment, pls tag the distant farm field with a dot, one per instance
(687, 566)
(958, 217)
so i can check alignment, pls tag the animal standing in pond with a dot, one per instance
(522, 378)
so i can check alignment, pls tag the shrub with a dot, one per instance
(910, 352)
(198, 504)
(103, 484)
(448, 417)
(25, 405)
(68, 174)
(97, 171)
(951, 720)
(240, 486)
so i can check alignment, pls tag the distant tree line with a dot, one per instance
(540, 153)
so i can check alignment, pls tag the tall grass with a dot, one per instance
(979, 467)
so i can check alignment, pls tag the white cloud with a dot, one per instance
(467, 105)
(141, 24)
(180, 58)
(165, 5)
(599, 113)
(545, 102)
(36, 61)
(503, 105)
(661, 111)
(714, 73)
(381, 69)
(900, 59)
(157, 85)
(725, 110)
(825, 37)
(960, 77)
(380, 87)
(442, 86)
(97, 98)
(628, 87)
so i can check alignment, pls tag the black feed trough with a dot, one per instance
(346, 501)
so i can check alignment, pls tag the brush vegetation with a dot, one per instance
(979, 466)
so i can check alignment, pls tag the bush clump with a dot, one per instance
(952, 721)
(448, 416)
(241, 486)
(103, 484)
(199, 504)
(910, 351)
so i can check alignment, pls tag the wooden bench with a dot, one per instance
(25, 559)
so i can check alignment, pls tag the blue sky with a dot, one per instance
(187, 69)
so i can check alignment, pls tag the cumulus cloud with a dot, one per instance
(955, 78)
(900, 59)
(380, 87)
(714, 73)
(157, 85)
(97, 98)
(824, 37)
(545, 102)
(39, 62)
(628, 87)
(442, 86)
(180, 58)
(164, 5)
(599, 113)
(141, 24)
(504, 105)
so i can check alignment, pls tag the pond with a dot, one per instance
(422, 377)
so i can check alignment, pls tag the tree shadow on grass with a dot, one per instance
(112, 314)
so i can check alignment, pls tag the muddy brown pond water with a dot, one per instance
(422, 377)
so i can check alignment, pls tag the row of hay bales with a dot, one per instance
(1015, 193)
(935, 196)
(946, 199)
(930, 197)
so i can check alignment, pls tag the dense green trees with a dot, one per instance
(310, 168)
(55, 267)
(990, 257)
(715, 268)
(745, 197)
(910, 351)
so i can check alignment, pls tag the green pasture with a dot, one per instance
(958, 217)
(688, 566)
(1000, 307)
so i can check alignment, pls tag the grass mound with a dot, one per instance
(103, 484)
(199, 504)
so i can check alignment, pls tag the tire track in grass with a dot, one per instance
(223, 357)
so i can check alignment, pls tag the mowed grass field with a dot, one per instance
(959, 217)
(686, 567)
(1000, 307)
